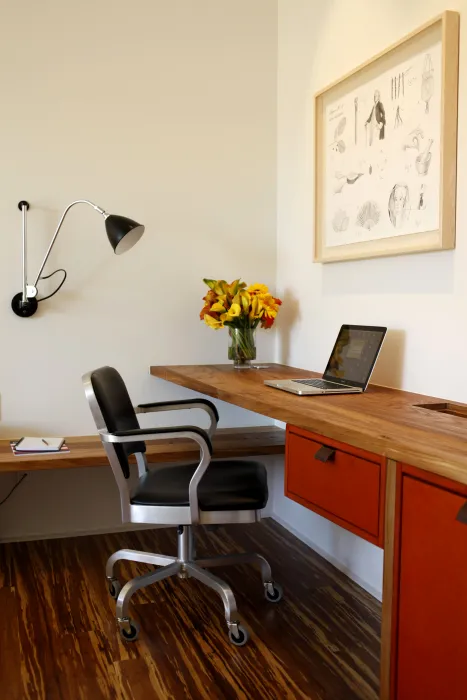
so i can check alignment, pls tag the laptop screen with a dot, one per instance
(354, 355)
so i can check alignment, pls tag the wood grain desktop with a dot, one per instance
(87, 451)
(387, 422)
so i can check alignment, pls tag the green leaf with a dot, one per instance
(211, 283)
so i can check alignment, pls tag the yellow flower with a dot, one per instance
(257, 289)
(224, 303)
(213, 322)
(256, 308)
(234, 310)
(243, 299)
(235, 287)
(217, 286)
(271, 308)
(218, 308)
(232, 313)
(211, 283)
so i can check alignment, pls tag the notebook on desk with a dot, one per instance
(38, 445)
(349, 368)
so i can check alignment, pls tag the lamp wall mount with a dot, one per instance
(122, 233)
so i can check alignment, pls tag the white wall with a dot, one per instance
(422, 298)
(161, 111)
(166, 112)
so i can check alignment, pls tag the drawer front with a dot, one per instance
(431, 641)
(336, 483)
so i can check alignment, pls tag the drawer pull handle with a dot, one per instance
(325, 454)
(462, 514)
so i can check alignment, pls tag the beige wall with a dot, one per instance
(161, 111)
(422, 298)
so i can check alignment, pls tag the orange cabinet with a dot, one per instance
(429, 644)
(341, 483)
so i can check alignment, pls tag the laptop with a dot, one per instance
(349, 368)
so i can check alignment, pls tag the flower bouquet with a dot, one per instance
(241, 309)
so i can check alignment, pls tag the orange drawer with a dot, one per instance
(341, 483)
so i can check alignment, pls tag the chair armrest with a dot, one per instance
(178, 405)
(181, 431)
(181, 404)
(186, 431)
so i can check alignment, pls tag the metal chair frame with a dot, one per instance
(184, 564)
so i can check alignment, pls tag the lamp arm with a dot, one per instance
(24, 208)
(46, 257)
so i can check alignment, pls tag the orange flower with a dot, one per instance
(204, 311)
(267, 322)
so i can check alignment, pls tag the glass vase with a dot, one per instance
(242, 347)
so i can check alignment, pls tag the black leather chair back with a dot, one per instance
(117, 410)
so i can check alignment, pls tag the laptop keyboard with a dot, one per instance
(317, 383)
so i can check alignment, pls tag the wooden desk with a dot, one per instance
(385, 421)
(88, 451)
(422, 455)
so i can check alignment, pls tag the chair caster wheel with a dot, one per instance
(273, 592)
(129, 630)
(242, 636)
(114, 588)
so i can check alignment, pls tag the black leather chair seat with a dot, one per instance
(226, 485)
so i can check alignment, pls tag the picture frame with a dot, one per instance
(386, 150)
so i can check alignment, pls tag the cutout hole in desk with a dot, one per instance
(452, 409)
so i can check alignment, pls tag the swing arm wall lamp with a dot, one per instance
(122, 233)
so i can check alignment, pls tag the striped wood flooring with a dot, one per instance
(58, 640)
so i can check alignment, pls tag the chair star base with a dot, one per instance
(185, 565)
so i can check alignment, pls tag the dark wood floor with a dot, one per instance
(58, 639)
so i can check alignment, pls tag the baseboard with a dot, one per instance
(80, 533)
(266, 513)
(375, 592)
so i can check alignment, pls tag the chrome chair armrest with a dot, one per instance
(181, 404)
(189, 432)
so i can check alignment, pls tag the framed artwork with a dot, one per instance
(386, 148)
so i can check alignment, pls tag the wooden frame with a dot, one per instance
(444, 29)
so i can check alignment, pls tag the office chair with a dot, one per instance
(211, 492)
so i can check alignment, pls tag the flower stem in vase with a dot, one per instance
(242, 347)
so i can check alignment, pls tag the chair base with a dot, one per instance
(185, 565)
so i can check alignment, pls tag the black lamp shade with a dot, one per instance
(123, 233)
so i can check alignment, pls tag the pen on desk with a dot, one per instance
(45, 441)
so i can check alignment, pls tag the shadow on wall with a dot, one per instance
(432, 273)
(390, 364)
(289, 314)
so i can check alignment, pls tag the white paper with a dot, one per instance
(36, 444)
(382, 154)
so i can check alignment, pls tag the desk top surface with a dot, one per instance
(87, 451)
(384, 421)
